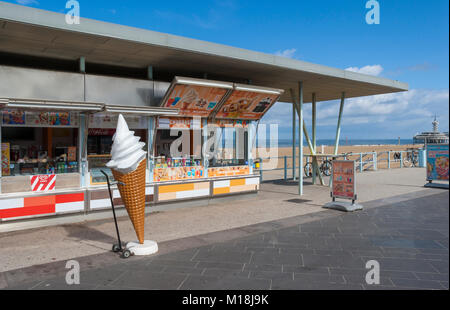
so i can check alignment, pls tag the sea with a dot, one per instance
(326, 142)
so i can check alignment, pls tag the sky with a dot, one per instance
(410, 44)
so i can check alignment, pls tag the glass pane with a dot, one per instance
(39, 150)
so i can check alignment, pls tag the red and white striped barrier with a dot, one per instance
(41, 205)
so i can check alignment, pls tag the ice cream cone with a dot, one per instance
(133, 196)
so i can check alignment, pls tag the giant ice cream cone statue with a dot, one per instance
(128, 165)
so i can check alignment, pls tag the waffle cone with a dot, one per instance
(133, 196)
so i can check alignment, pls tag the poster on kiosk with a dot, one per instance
(343, 186)
(437, 165)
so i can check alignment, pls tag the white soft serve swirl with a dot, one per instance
(126, 151)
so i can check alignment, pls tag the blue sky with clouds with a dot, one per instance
(410, 44)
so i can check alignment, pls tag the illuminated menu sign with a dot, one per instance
(251, 105)
(222, 100)
(195, 97)
(344, 179)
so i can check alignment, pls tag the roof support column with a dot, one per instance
(338, 130)
(305, 131)
(82, 64)
(150, 73)
(314, 163)
(300, 133)
(293, 137)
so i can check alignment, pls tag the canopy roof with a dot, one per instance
(25, 30)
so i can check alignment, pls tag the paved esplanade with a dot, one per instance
(407, 234)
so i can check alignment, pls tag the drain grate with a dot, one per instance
(297, 200)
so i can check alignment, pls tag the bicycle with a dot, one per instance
(411, 160)
(325, 168)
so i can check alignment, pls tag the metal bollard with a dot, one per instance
(285, 168)
(401, 159)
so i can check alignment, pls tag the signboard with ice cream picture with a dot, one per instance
(247, 105)
(195, 98)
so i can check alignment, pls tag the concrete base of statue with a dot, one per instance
(148, 248)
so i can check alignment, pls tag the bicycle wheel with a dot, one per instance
(326, 168)
(407, 163)
(308, 169)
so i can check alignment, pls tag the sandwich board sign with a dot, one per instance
(343, 186)
(437, 165)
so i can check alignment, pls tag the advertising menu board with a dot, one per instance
(247, 105)
(40, 119)
(194, 100)
(228, 171)
(5, 157)
(229, 123)
(178, 173)
(72, 153)
(106, 120)
(344, 179)
(179, 123)
(437, 162)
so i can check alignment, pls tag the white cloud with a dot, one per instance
(394, 106)
(27, 2)
(399, 114)
(370, 70)
(288, 53)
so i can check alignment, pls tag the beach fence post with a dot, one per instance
(361, 164)
(285, 168)
(389, 159)
(375, 161)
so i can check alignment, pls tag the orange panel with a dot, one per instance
(39, 201)
(237, 182)
(176, 188)
(221, 190)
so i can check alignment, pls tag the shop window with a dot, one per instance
(231, 147)
(39, 150)
(178, 151)
(186, 153)
(102, 128)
